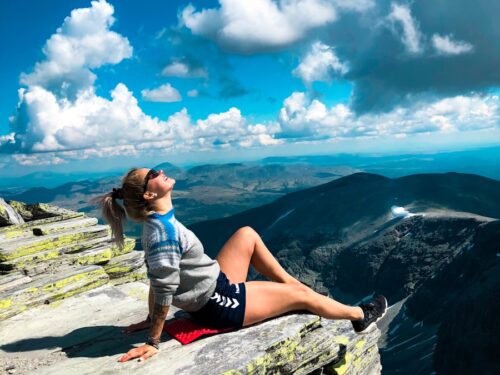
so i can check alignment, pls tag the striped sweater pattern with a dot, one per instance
(180, 272)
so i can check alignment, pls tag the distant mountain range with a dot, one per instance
(435, 255)
(429, 242)
(482, 161)
(200, 193)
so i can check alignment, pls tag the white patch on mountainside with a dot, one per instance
(400, 212)
(281, 217)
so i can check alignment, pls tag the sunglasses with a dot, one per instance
(152, 173)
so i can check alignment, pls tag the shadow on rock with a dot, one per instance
(90, 342)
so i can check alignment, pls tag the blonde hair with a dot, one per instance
(136, 207)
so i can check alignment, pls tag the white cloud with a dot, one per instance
(179, 69)
(165, 94)
(231, 128)
(193, 93)
(83, 42)
(89, 121)
(92, 126)
(447, 46)
(258, 25)
(301, 118)
(355, 5)
(320, 64)
(38, 159)
(411, 34)
(52, 126)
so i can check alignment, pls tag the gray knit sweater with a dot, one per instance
(180, 272)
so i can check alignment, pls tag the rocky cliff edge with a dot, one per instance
(66, 292)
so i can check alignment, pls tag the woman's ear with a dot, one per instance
(148, 195)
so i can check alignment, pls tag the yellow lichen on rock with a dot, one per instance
(49, 243)
(63, 282)
(5, 303)
(95, 258)
(342, 366)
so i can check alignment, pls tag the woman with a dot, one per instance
(215, 292)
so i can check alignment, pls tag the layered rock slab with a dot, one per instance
(60, 253)
(51, 333)
(88, 332)
(46, 289)
(56, 255)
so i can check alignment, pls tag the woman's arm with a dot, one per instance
(151, 347)
(164, 278)
(145, 324)
(160, 313)
(151, 302)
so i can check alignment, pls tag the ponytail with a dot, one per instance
(134, 205)
(113, 214)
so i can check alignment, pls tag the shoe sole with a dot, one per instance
(373, 325)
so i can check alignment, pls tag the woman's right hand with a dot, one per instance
(137, 327)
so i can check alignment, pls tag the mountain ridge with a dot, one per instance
(344, 237)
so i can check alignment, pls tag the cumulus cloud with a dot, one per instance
(183, 70)
(354, 5)
(88, 121)
(389, 45)
(411, 35)
(384, 71)
(60, 117)
(165, 94)
(38, 159)
(51, 127)
(193, 93)
(258, 25)
(320, 64)
(83, 42)
(447, 46)
(303, 118)
(231, 128)
(91, 125)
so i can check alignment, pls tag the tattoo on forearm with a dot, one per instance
(159, 315)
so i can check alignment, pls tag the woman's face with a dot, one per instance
(160, 184)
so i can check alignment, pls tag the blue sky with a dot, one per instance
(107, 84)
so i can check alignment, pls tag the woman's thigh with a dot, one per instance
(234, 257)
(267, 299)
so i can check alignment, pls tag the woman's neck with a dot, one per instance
(162, 205)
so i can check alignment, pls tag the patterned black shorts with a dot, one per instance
(226, 306)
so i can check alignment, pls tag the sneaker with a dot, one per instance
(374, 311)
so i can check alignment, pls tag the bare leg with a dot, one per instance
(266, 299)
(245, 247)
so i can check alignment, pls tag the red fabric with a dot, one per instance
(186, 330)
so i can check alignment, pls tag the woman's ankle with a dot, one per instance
(358, 313)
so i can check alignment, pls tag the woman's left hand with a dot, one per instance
(142, 352)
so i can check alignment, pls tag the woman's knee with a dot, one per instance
(300, 294)
(246, 231)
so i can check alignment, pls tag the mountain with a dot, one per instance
(200, 193)
(351, 208)
(408, 238)
(451, 324)
(48, 179)
(482, 161)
